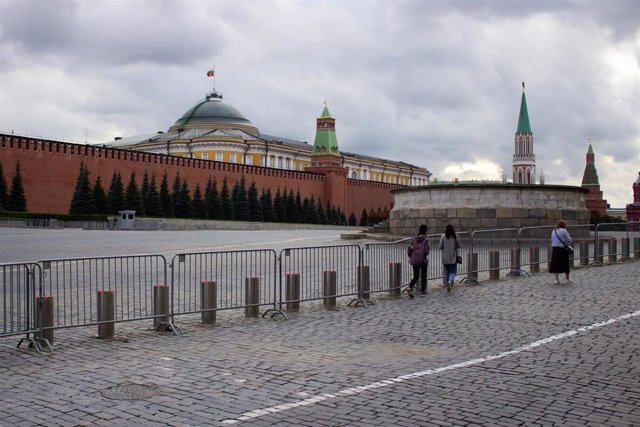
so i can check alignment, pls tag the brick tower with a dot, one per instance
(524, 161)
(590, 181)
(326, 159)
(633, 209)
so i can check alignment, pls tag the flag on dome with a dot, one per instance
(211, 73)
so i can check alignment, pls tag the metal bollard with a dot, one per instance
(534, 259)
(613, 250)
(473, 262)
(494, 265)
(584, 253)
(106, 311)
(160, 305)
(329, 288)
(209, 301)
(252, 297)
(395, 278)
(516, 267)
(625, 243)
(598, 257)
(364, 275)
(292, 292)
(44, 318)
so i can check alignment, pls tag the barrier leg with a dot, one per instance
(161, 320)
(329, 289)
(106, 312)
(516, 265)
(252, 297)
(364, 287)
(636, 247)
(209, 298)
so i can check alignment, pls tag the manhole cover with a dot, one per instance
(131, 392)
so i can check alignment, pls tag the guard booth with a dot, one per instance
(127, 220)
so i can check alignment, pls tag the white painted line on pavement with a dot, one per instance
(402, 378)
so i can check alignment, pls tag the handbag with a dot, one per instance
(458, 259)
(567, 248)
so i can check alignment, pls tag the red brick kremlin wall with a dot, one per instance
(50, 169)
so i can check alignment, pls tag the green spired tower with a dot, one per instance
(326, 142)
(590, 181)
(524, 161)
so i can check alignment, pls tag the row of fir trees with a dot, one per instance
(176, 200)
(12, 199)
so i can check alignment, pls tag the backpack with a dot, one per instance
(418, 250)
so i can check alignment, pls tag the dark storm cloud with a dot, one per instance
(104, 33)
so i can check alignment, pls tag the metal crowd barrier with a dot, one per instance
(19, 303)
(76, 285)
(207, 282)
(324, 273)
(380, 257)
(495, 250)
(37, 298)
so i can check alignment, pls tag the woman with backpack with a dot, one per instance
(419, 259)
(449, 243)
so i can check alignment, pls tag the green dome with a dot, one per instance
(215, 113)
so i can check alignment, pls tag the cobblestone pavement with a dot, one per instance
(518, 351)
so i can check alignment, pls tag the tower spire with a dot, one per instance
(524, 161)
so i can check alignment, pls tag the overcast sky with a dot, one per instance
(433, 83)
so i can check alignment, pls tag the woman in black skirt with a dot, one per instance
(560, 241)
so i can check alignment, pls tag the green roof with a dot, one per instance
(590, 176)
(523, 120)
(326, 142)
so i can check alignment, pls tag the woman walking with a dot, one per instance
(449, 244)
(419, 259)
(561, 243)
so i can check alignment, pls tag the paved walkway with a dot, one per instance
(513, 352)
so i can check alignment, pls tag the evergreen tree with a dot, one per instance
(82, 201)
(299, 207)
(212, 200)
(199, 209)
(144, 190)
(268, 211)
(322, 214)
(364, 219)
(116, 194)
(331, 214)
(4, 195)
(342, 216)
(280, 206)
(166, 203)
(314, 216)
(255, 207)
(306, 215)
(17, 200)
(133, 198)
(175, 196)
(240, 201)
(227, 203)
(153, 205)
(182, 201)
(100, 197)
(352, 219)
(293, 214)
